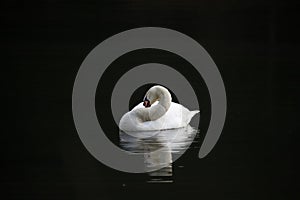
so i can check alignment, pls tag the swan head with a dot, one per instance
(150, 97)
(154, 94)
(146, 102)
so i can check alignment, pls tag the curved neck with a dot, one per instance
(164, 98)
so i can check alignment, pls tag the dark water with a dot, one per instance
(255, 45)
(160, 150)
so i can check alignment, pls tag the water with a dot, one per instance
(160, 150)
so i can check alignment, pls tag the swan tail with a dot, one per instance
(192, 114)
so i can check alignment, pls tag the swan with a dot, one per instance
(156, 112)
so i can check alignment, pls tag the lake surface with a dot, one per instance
(160, 150)
(254, 47)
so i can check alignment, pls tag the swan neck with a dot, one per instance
(157, 111)
(165, 100)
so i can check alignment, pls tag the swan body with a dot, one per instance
(163, 113)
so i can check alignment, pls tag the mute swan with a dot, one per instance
(156, 112)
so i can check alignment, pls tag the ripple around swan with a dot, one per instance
(159, 149)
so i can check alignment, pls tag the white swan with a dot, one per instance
(163, 114)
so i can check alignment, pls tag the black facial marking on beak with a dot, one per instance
(146, 102)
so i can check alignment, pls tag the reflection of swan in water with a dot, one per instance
(160, 148)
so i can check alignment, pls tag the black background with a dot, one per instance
(253, 43)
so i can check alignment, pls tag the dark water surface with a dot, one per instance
(160, 150)
(255, 45)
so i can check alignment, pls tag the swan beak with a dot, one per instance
(146, 103)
